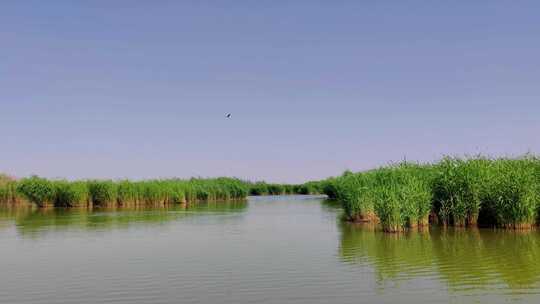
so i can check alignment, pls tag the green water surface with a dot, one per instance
(285, 249)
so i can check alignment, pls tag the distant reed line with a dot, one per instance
(43, 192)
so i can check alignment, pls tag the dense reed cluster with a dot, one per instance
(263, 188)
(8, 190)
(107, 193)
(503, 192)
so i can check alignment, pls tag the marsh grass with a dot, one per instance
(512, 193)
(501, 192)
(258, 188)
(329, 188)
(402, 196)
(263, 188)
(38, 191)
(458, 187)
(8, 190)
(103, 193)
(355, 192)
(70, 194)
(108, 193)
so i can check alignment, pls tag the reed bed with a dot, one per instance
(352, 191)
(8, 190)
(402, 197)
(329, 187)
(498, 192)
(458, 187)
(108, 193)
(263, 188)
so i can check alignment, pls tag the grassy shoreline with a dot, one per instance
(43, 192)
(462, 192)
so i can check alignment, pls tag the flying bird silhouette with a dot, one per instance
(228, 115)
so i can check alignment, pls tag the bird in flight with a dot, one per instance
(228, 115)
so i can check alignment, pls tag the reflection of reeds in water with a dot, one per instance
(392, 255)
(35, 221)
(466, 259)
(460, 257)
(484, 257)
(331, 205)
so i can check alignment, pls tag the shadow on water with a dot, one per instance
(331, 205)
(465, 259)
(34, 221)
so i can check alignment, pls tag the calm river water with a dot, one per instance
(285, 249)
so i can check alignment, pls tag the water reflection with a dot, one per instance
(279, 250)
(467, 260)
(35, 221)
(330, 205)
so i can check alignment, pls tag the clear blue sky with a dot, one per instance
(139, 89)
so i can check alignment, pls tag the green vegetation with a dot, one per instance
(259, 188)
(107, 193)
(458, 186)
(8, 190)
(398, 196)
(102, 193)
(352, 190)
(313, 187)
(262, 188)
(329, 187)
(37, 190)
(502, 192)
(513, 193)
(68, 194)
(402, 196)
